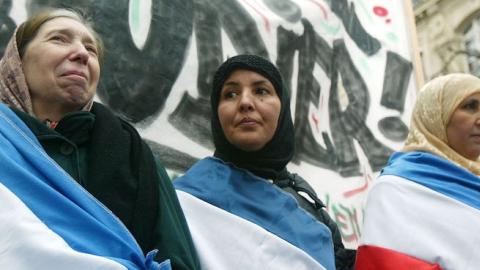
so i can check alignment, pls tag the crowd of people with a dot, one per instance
(80, 189)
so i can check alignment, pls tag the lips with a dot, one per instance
(75, 73)
(247, 122)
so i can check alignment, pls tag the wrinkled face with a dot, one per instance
(248, 110)
(463, 130)
(61, 65)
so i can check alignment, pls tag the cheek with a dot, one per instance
(273, 116)
(224, 116)
(458, 127)
(95, 73)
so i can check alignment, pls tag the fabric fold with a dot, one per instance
(253, 214)
(76, 230)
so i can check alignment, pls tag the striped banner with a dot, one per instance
(421, 213)
(241, 221)
(47, 220)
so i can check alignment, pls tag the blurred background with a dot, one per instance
(448, 34)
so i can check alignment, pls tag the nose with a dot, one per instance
(79, 53)
(246, 101)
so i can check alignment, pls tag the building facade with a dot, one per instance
(448, 35)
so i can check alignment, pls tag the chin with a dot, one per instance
(249, 147)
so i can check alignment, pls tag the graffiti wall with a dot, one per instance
(347, 64)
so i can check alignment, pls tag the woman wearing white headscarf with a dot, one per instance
(423, 210)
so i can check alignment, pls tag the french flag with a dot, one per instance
(48, 221)
(423, 212)
(241, 221)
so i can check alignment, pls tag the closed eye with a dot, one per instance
(92, 49)
(59, 38)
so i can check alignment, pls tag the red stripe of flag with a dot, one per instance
(373, 258)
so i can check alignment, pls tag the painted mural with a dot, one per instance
(347, 64)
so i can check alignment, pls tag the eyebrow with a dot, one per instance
(65, 31)
(255, 83)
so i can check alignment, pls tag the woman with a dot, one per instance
(239, 216)
(423, 210)
(48, 77)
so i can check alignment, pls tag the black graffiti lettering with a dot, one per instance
(395, 86)
(286, 9)
(173, 159)
(308, 90)
(192, 116)
(137, 82)
(346, 124)
(395, 82)
(240, 28)
(392, 127)
(349, 124)
(368, 44)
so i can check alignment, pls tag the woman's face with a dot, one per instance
(248, 110)
(463, 130)
(61, 66)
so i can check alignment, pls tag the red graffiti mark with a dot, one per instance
(315, 120)
(345, 223)
(322, 8)
(264, 18)
(381, 12)
(346, 219)
(367, 178)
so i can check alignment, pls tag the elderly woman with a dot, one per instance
(423, 210)
(239, 216)
(48, 78)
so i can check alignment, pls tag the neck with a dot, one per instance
(51, 112)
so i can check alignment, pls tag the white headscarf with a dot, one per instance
(433, 109)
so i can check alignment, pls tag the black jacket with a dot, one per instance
(293, 184)
(107, 156)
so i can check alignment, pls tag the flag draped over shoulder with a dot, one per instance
(47, 220)
(423, 212)
(241, 221)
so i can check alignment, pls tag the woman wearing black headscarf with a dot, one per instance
(238, 203)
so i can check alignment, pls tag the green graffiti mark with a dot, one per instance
(135, 15)
(331, 29)
(347, 219)
(392, 37)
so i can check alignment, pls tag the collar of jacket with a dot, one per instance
(75, 126)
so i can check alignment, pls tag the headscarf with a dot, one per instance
(435, 104)
(269, 161)
(13, 85)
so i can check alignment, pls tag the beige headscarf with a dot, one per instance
(435, 104)
(13, 85)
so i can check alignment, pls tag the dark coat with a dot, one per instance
(293, 184)
(107, 157)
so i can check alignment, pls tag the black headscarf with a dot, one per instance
(269, 161)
